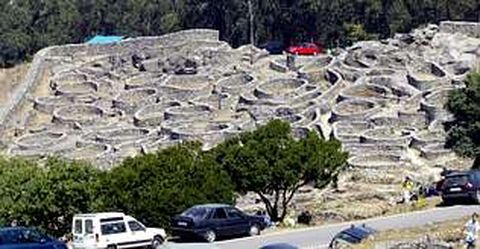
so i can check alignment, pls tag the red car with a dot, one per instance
(305, 49)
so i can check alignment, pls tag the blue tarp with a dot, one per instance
(100, 39)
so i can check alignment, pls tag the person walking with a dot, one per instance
(471, 230)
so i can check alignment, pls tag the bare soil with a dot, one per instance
(9, 79)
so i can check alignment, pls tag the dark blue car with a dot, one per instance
(27, 238)
(279, 246)
(352, 236)
(273, 47)
(212, 221)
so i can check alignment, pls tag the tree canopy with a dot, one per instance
(464, 131)
(28, 25)
(156, 186)
(272, 163)
(46, 196)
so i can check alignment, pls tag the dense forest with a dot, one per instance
(28, 25)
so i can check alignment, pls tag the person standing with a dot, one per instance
(472, 227)
(407, 188)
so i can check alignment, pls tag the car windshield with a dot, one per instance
(456, 180)
(196, 213)
(348, 238)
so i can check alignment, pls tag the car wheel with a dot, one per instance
(447, 201)
(111, 247)
(210, 236)
(477, 197)
(157, 242)
(254, 230)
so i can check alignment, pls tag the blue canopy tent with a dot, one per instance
(100, 39)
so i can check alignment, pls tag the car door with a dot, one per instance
(219, 222)
(138, 232)
(88, 236)
(238, 223)
(32, 239)
(115, 232)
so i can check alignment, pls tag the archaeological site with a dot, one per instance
(384, 100)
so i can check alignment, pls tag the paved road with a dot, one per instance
(319, 237)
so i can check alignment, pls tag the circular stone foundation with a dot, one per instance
(186, 113)
(131, 100)
(186, 87)
(348, 131)
(67, 78)
(427, 76)
(385, 135)
(377, 161)
(353, 109)
(144, 80)
(153, 115)
(84, 88)
(235, 84)
(206, 132)
(40, 140)
(49, 103)
(434, 104)
(78, 114)
(284, 88)
(424, 138)
(88, 151)
(116, 136)
(365, 91)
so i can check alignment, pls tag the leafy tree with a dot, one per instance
(46, 196)
(464, 132)
(275, 165)
(156, 186)
(355, 33)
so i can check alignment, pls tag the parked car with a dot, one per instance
(211, 221)
(27, 238)
(279, 246)
(461, 184)
(113, 231)
(189, 246)
(351, 236)
(306, 48)
(273, 47)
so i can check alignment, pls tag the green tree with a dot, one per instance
(464, 132)
(156, 186)
(46, 196)
(355, 33)
(275, 165)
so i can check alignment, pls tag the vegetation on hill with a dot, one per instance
(156, 186)
(28, 25)
(464, 131)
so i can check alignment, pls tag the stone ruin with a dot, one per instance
(384, 100)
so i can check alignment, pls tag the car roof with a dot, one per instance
(3, 229)
(360, 232)
(100, 215)
(279, 246)
(212, 205)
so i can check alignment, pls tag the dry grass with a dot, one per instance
(449, 231)
(9, 79)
